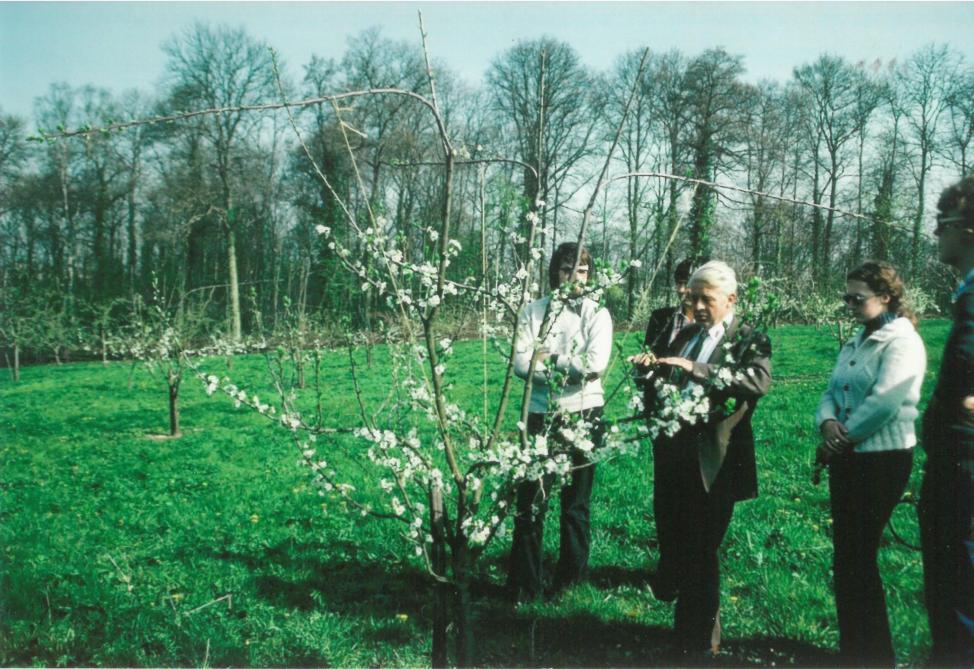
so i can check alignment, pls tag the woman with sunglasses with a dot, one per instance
(866, 418)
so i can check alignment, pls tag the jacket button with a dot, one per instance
(852, 364)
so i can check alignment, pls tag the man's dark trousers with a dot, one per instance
(526, 572)
(947, 495)
(691, 523)
(947, 536)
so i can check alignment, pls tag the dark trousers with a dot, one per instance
(864, 489)
(526, 572)
(947, 536)
(691, 524)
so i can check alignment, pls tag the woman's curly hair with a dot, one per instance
(883, 279)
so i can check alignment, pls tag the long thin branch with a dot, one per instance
(608, 159)
(714, 184)
(270, 106)
(444, 239)
(463, 161)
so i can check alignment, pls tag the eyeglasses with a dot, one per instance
(944, 222)
(855, 299)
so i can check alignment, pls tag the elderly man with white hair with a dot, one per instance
(704, 469)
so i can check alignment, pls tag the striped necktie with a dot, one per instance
(691, 351)
(695, 346)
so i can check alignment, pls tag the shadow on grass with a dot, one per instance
(387, 595)
(610, 577)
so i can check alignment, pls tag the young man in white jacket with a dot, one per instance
(562, 349)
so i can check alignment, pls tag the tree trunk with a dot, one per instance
(131, 254)
(756, 236)
(173, 379)
(15, 368)
(235, 329)
(633, 203)
(439, 657)
(299, 363)
(461, 614)
(918, 218)
(857, 249)
(816, 226)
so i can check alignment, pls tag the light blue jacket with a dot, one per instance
(875, 388)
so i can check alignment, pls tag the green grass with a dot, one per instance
(122, 549)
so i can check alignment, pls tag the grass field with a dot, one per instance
(120, 548)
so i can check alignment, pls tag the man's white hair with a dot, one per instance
(716, 274)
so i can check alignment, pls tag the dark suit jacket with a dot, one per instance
(725, 443)
(947, 428)
(658, 330)
(657, 340)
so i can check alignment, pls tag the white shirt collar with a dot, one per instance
(717, 330)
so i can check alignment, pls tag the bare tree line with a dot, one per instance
(220, 209)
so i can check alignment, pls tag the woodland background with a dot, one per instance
(218, 212)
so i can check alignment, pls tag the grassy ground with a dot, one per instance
(118, 547)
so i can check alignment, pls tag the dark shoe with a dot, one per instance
(663, 589)
(555, 590)
(698, 658)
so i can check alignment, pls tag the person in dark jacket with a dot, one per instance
(703, 469)
(946, 507)
(665, 323)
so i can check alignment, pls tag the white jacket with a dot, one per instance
(875, 387)
(581, 337)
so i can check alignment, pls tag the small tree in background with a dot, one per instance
(159, 337)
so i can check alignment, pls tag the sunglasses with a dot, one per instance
(855, 299)
(944, 222)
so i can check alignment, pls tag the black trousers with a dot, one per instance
(947, 537)
(691, 524)
(526, 571)
(864, 489)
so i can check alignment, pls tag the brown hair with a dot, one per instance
(883, 279)
(960, 198)
(566, 252)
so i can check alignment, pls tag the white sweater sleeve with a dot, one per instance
(899, 377)
(524, 342)
(592, 359)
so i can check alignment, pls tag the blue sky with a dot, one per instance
(116, 45)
